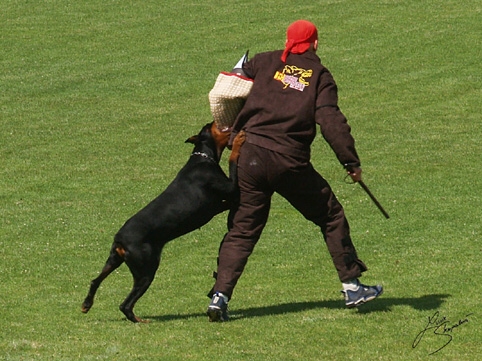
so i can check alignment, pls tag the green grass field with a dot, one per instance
(96, 100)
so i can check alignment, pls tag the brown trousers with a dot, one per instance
(262, 172)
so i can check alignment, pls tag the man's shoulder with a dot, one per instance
(269, 54)
(263, 61)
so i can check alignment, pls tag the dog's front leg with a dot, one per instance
(233, 158)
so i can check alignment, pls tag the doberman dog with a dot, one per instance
(200, 191)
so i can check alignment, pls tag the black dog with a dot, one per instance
(199, 192)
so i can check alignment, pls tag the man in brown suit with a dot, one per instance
(292, 93)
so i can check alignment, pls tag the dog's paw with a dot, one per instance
(239, 139)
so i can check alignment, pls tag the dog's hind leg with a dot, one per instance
(140, 287)
(143, 274)
(116, 258)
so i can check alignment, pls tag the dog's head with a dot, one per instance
(213, 136)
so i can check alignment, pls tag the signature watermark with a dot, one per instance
(442, 328)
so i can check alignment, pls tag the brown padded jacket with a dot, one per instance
(287, 101)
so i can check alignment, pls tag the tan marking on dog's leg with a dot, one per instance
(120, 251)
(237, 143)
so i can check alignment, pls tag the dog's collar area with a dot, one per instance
(204, 155)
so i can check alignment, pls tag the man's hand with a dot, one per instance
(355, 173)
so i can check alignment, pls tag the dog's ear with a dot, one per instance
(192, 139)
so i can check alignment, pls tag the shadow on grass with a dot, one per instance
(423, 303)
(382, 304)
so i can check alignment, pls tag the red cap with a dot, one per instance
(299, 36)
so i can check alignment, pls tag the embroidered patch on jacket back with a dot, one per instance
(294, 77)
